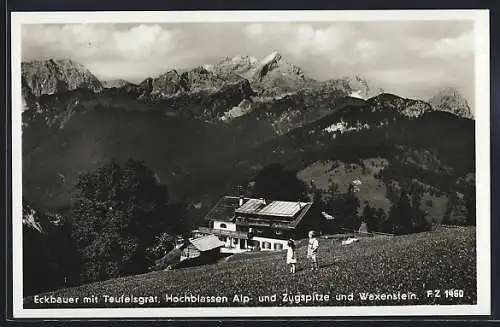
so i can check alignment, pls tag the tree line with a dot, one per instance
(119, 222)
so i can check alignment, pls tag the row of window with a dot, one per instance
(263, 244)
(257, 231)
(268, 245)
(224, 239)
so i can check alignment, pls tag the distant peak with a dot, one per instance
(65, 61)
(388, 95)
(56, 62)
(450, 90)
(274, 56)
(51, 76)
(385, 97)
(245, 58)
(239, 59)
(358, 77)
(451, 100)
(169, 74)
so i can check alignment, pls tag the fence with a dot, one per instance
(448, 226)
(365, 233)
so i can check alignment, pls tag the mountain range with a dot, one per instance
(203, 130)
(208, 130)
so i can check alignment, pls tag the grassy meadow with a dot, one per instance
(443, 259)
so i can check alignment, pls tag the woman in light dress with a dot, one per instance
(312, 250)
(291, 258)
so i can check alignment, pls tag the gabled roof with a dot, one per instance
(301, 215)
(224, 209)
(290, 213)
(282, 208)
(251, 206)
(206, 243)
(287, 209)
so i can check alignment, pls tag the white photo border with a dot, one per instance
(482, 133)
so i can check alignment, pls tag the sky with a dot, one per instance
(408, 58)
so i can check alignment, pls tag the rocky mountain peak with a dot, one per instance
(271, 59)
(274, 65)
(242, 59)
(167, 83)
(354, 86)
(116, 83)
(361, 88)
(406, 107)
(239, 65)
(52, 76)
(451, 100)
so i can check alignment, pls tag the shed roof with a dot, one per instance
(206, 243)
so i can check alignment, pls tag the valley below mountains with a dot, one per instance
(206, 130)
(209, 131)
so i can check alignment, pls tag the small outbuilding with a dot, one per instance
(205, 248)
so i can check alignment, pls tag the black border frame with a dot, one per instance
(157, 5)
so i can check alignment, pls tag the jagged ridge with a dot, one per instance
(53, 76)
(450, 100)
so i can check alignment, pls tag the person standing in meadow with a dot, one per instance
(291, 258)
(312, 250)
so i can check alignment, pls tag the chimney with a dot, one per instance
(242, 200)
(263, 201)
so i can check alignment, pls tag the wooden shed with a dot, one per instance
(202, 248)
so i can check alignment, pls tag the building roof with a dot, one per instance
(251, 206)
(273, 208)
(290, 213)
(282, 208)
(224, 209)
(206, 243)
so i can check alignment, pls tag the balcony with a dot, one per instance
(222, 232)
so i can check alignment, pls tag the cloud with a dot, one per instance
(366, 49)
(300, 38)
(254, 30)
(88, 42)
(405, 76)
(460, 46)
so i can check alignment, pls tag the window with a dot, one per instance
(278, 246)
(222, 225)
(235, 241)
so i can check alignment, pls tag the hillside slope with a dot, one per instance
(213, 157)
(441, 259)
(206, 129)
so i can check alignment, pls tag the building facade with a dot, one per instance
(245, 224)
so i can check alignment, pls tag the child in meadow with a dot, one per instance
(291, 259)
(312, 250)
